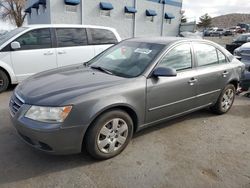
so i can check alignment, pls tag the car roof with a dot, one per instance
(67, 26)
(164, 40)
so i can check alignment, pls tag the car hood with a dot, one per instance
(56, 86)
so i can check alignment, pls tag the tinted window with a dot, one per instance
(35, 39)
(221, 57)
(67, 37)
(205, 54)
(178, 58)
(101, 36)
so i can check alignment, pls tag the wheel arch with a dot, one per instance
(128, 109)
(234, 82)
(9, 72)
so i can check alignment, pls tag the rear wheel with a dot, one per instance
(109, 134)
(225, 100)
(4, 81)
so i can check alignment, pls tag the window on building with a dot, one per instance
(101, 36)
(71, 37)
(105, 13)
(205, 54)
(179, 58)
(35, 39)
(70, 8)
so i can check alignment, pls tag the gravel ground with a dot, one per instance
(221, 40)
(198, 151)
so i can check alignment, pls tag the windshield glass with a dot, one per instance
(242, 38)
(127, 59)
(7, 36)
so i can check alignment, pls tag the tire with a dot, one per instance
(4, 81)
(225, 100)
(109, 135)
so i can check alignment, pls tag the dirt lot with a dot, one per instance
(198, 150)
(221, 40)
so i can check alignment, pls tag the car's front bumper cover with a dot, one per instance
(51, 138)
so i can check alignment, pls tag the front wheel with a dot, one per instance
(109, 134)
(225, 100)
(4, 81)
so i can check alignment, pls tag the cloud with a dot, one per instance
(195, 8)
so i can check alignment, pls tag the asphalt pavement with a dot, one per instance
(199, 150)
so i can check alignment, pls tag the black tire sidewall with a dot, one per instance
(5, 81)
(218, 107)
(93, 132)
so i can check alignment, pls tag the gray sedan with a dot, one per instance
(137, 83)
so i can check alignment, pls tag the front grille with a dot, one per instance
(15, 104)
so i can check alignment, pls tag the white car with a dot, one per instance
(36, 48)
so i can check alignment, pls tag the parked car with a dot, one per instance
(235, 29)
(207, 32)
(228, 32)
(241, 39)
(132, 85)
(35, 48)
(243, 54)
(217, 32)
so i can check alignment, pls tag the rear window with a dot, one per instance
(101, 36)
(67, 37)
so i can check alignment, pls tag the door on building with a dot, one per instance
(35, 55)
(72, 46)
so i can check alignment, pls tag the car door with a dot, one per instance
(35, 55)
(169, 96)
(101, 39)
(72, 46)
(212, 72)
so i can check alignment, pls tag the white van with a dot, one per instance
(35, 48)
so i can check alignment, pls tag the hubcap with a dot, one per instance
(227, 99)
(112, 135)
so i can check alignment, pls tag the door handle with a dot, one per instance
(48, 53)
(192, 81)
(225, 73)
(62, 52)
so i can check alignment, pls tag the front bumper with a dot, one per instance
(55, 141)
(50, 138)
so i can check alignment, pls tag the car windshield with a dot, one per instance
(242, 38)
(127, 59)
(7, 36)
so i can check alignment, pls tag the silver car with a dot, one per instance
(137, 83)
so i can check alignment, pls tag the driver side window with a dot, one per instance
(178, 58)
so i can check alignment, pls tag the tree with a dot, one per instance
(205, 21)
(183, 19)
(13, 10)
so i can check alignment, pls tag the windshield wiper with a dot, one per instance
(101, 69)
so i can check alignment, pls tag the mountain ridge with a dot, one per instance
(229, 20)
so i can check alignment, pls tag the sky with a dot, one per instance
(196, 8)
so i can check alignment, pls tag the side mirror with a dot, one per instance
(15, 45)
(164, 72)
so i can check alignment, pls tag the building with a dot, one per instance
(131, 18)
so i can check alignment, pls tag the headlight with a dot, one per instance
(48, 114)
